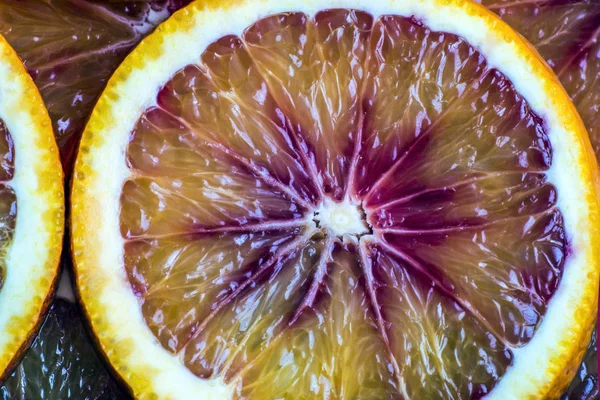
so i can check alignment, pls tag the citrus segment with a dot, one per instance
(244, 326)
(506, 272)
(314, 68)
(486, 127)
(180, 280)
(441, 350)
(420, 186)
(470, 202)
(8, 198)
(7, 153)
(183, 184)
(237, 113)
(8, 214)
(414, 77)
(332, 350)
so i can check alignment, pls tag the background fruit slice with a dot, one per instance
(31, 209)
(208, 350)
(61, 363)
(566, 34)
(72, 47)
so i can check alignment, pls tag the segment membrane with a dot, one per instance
(181, 184)
(315, 71)
(227, 102)
(471, 202)
(442, 352)
(181, 280)
(333, 351)
(488, 129)
(242, 329)
(414, 76)
(505, 272)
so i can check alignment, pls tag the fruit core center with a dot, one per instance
(342, 218)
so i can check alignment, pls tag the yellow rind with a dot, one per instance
(51, 191)
(569, 351)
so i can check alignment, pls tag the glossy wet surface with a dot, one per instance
(558, 28)
(8, 198)
(72, 47)
(445, 162)
(61, 363)
(566, 33)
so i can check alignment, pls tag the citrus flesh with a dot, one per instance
(31, 209)
(336, 204)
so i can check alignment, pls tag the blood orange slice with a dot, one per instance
(567, 36)
(71, 47)
(31, 209)
(299, 200)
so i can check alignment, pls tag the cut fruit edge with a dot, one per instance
(541, 369)
(32, 260)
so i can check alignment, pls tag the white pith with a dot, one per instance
(341, 219)
(170, 377)
(29, 257)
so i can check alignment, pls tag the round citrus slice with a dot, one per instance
(31, 209)
(281, 199)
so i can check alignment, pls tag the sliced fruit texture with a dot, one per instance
(223, 263)
(338, 203)
(31, 208)
(432, 338)
(476, 112)
(559, 30)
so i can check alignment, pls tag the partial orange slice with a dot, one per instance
(71, 48)
(279, 199)
(567, 36)
(31, 209)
